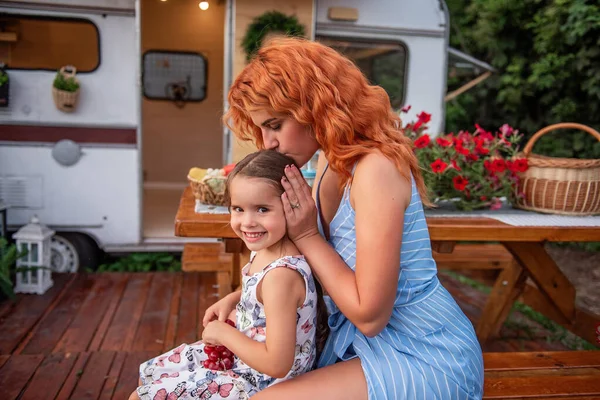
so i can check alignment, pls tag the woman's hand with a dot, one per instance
(299, 207)
(222, 309)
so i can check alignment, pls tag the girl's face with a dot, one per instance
(257, 214)
(285, 135)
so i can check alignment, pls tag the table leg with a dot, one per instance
(550, 280)
(241, 256)
(506, 290)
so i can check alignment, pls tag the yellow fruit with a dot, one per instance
(197, 173)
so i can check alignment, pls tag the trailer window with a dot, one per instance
(48, 43)
(384, 64)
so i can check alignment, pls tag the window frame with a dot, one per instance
(375, 42)
(54, 18)
(184, 52)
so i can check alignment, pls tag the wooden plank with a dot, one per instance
(172, 326)
(541, 387)
(129, 377)
(49, 331)
(541, 360)
(207, 296)
(583, 325)
(113, 376)
(49, 377)
(16, 372)
(3, 359)
(474, 256)
(507, 289)
(94, 375)
(188, 223)
(15, 326)
(150, 334)
(79, 335)
(71, 381)
(122, 329)
(188, 311)
(547, 276)
(110, 312)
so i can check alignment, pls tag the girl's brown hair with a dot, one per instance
(270, 165)
(320, 88)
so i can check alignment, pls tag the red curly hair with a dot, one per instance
(320, 88)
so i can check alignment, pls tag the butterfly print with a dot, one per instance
(306, 348)
(257, 330)
(213, 388)
(179, 391)
(176, 356)
(306, 326)
(258, 320)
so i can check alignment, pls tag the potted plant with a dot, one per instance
(472, 170)
(65, 89)
(4, 87)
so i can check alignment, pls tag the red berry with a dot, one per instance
(230, 322)
(226, 354)
(209, 349)
(206, 364)
(227, 363)
(220, 349)
(214, 357)
(213, 366)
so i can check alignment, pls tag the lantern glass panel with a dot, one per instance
(25, 250)
(34, 253)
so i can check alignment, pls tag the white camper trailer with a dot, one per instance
(109, 175)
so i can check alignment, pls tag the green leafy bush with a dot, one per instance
(143, 262)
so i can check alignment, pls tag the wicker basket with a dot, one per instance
(205, 193)
(66, 101)
(563, 186)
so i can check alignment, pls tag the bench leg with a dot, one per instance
(224, 283)
(506, 290)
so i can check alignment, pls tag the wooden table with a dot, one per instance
(554, 295)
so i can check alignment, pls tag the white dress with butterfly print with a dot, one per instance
(179, 373)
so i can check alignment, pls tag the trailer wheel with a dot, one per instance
(71, 252)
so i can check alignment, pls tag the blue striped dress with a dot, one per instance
(428, 350)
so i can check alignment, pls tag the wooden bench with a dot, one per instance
(542, 375)
(209, 257)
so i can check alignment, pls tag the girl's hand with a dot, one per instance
(222, 309)
(213, 331)
(298, 205)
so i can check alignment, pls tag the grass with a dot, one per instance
(142, 262)
(557, 332)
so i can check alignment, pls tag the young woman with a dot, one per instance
(396, 332)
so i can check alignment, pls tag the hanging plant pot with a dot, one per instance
(269, 22)
(4, 88)
(65, 89)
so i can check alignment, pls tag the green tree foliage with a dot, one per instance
(547, 56)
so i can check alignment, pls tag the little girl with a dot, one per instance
(277, 285)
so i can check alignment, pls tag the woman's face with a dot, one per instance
(285, 135)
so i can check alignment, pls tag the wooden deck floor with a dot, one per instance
(85, 337)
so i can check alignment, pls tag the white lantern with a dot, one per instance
(33, 269)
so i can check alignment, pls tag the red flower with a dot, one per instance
(455, 165)
(443, 142)
(498, 165)
(460, 183)
(424, 117)
(406, 109)
(520, 165)
(483, 198)
(438, 166)
(472, 157)
(422, 141)
(417, 125)
(489, 166)
(460, 149)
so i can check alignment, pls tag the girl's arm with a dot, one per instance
(283, 290)
(379, 196)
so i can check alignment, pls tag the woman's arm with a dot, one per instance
(379, 196)
(282, 292)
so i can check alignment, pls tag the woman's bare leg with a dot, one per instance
(344, 381)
